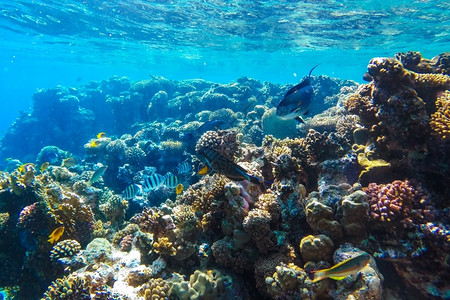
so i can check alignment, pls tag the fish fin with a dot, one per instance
(299, 119)
(309, 75)
(337, 277)
(320, 275)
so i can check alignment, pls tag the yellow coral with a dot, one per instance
(431, 80)
(164, 247)
(370, 164)
(440, 120)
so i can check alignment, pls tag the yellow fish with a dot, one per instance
(56, 234)
(203, 171)
(69, 162)
(101, 135)
(44, 166)
(94, 144)
(348, 267)
(179, 189)
(23, 167)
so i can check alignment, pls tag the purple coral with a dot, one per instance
(398, 202)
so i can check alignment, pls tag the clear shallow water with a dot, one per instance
(45, 43)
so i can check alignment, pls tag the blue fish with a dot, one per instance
(184, 167)
(153, 182)
(132, 191)
(222, 165)
(171, 180)
(297, 100)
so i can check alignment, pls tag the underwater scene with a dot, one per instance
(214, 149)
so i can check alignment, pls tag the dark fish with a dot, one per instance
(297, 100)
(153, 182)
(171, 180)
(207, 126)
(132, 191)
(367, 77)
(184, 167)
(222, 165)
(98, 173)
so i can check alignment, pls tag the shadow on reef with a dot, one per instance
(367, 173)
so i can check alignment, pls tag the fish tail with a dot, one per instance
(257, 180)
(319, 275)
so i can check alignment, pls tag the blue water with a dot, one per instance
(46, 43)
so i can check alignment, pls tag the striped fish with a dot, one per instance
(153, 182)
(132, 191)
(184, 168)
(171, 181)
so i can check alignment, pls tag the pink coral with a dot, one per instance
(398, 202)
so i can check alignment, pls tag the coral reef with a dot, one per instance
(340, 178)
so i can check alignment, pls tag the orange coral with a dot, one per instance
(440, 120)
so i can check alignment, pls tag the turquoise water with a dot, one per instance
(46, 43)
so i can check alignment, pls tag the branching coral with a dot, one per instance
(164, 247)
(66, 248)
(440, 120)
(222, 141)
(155, 289)
(399, 202)
(71, 287)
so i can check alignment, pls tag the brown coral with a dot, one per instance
(257, 225)
(66, 248)
(222, 141)
(155, 289)
(440, 120)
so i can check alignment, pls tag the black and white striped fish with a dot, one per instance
(132, 191)
(184, 168)
(171, 180)
(153, 182)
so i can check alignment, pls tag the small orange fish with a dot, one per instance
(101, 135)
(179, 189)
(56, 234)
(94, 144)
